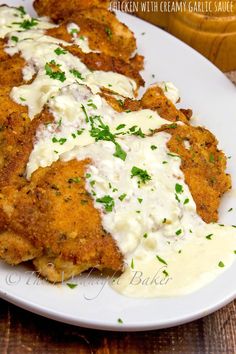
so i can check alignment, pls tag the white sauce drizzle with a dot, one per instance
(155, 223)
(170, 91)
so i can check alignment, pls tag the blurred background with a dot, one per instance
(207, 26)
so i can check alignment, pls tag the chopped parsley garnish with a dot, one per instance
(121, 103)
(122, 196)
(101, 131)
(161, 260)
(135, 131)
(172, 126)
(108, 202)
(53, 71)
(27, 24)
(178, 232)
(230, 210)
(76, 74)
(165, 273)
(186, 201)
(74, 180)
(140, 200)
(22, 99)
(22, 10)
(120, 126)
(91, 104)
(108, 32)
(153, 147)
(60, 51)
(145, 235)
(79, 132)
(179, 188)
(71, 285)
(164, 221)
(14, 39)
(119, 320)
(141, 174)
(164, 162)
(180, 251)
(172, 155)
(61, 141)
(208, 237)
(211, 158)
(132, 264)
(177, 198)
(234, 251)
(74, 31)
(221, 264)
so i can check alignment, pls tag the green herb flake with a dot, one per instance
(120, 321)
(108, 32)
(74, 180)
(140, 200)
(186, 201)
(161, 260)
(145, 235)
(76, 74)
(132, 264)
(211, 158)
(230, 210)
(108, 202)
(120, 126)
(122, 197)
(178, 232)
(71, 285)
(60, 51)
(208, 237)
(221, 264)
(164, 221)
(61, 141)
(22, 99)
(54, 73)
(73, 31)
(164, 162)
(141, 174)
(153, 147)
(27, 24)
(15, 39)
(177, 198)
(179, 188)
(165, 273)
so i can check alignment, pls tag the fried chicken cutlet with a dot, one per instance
(51, 219)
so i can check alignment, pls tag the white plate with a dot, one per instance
(205, 89)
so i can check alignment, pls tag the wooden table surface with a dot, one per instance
(22, 332)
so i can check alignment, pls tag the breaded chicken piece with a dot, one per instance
(59, 10)
(11, 71)
(154, 99)
(104, 62)
(204, 167)
(104, 31)
(56, 215)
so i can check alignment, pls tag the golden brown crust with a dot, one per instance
(55, 214)
(203, 166)
(59, 10)
(101, 61)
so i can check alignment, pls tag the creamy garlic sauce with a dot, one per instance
(170, 91)
(70, 128)
(79, 40)
(134, 180)
(167, 247)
